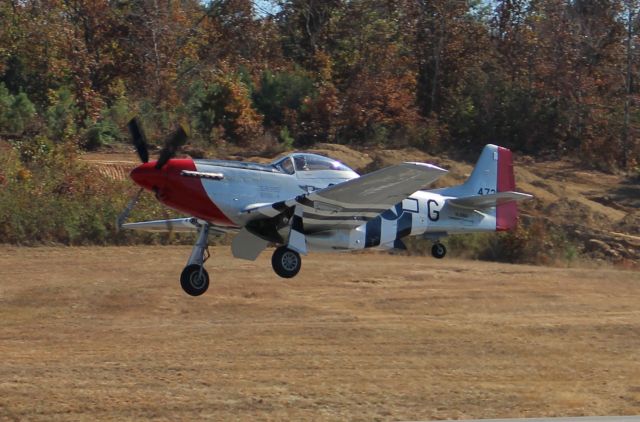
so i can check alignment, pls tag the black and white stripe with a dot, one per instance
(297, 239)
(381, 225)
(394, 220)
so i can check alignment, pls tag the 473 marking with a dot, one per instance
(486, 191)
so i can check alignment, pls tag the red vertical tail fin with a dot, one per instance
(506, 214)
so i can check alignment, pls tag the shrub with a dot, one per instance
(280, 92)
(285, 138)
(16, 112)
(107, 129)
(224, 105)
(61, 115)
(49, 196)
(533, 242)
(101, 133)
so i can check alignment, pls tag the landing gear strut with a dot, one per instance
(438, 250)
(286, 262)
(194, 278)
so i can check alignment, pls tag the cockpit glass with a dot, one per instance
(285, 165)
(311, 162)
(308, 162)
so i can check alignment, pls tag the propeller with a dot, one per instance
(171, 146)
(139, 139)
(127, 210)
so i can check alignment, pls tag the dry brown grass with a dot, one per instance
(107, 334)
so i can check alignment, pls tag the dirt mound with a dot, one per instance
(578, 211)
(357, 160)
(598, 211)
(457, 171)
(629, 224)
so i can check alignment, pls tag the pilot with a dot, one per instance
(287, 166)
(301, 163)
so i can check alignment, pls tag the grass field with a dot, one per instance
(107, 334)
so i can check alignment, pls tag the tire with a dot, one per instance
(438, 250)
(191, 282)
(286, 262)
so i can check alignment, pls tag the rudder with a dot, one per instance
(506, 214)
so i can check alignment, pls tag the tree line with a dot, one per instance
(545, 77)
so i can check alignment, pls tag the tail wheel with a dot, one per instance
(438, 250)
(194, 280)
(286, 262)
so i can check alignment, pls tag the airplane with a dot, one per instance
(304, 202)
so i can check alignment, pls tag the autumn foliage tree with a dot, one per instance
(546, 76)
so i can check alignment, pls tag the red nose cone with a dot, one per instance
(148, 176)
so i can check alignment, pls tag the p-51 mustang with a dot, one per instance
(306, 202)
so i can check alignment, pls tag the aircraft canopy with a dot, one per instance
(308, 162)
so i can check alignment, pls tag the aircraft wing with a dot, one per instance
(379, 190)
(356, 201)
(481, 202)
(172, 225)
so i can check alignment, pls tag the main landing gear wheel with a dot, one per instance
(438, 250)
(286, 262)
(194, 280)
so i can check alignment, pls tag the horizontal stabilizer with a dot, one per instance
(481, 202)
(172, 225)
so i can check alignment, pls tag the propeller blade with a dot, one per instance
(125, 213)
(171, 146)
(139, 139)
(168, 223)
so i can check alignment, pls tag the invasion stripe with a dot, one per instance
(312, 205)
(311, 227)
(296, 224)
(280, 206)
(373, 232)
(404, 225)
(356, 219)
